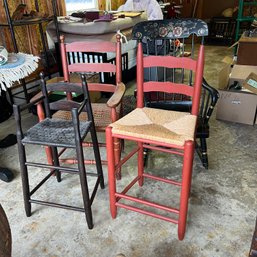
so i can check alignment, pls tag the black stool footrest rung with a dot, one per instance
(46, 166)
(57, 205)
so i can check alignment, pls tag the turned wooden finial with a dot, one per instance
(42, 75)
(118, 37)
(62, 38)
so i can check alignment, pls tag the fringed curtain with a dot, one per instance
(27, 37)
(115, 4)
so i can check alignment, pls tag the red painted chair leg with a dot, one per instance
(111, 171)
(117, 155)
(185, 188)
(41, 116)
(140, 164)
(49, 155)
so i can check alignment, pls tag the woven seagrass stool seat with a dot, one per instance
(55, 133)
(158, 125)
(101, 113)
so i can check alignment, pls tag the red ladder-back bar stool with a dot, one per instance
(156, 129)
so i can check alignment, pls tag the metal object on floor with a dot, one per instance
(6, 236)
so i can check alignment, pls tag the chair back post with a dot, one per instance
(118, 60)
(140, 75)
(64, 59)
(198, 81)
(75, 121)
(45, 94)
(17, 117)
(87, 98)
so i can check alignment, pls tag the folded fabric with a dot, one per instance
(3, 55)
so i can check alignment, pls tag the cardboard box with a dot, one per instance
(225, 72)
(237, 106)
(247, 51)
(251, 83)
(241, 72)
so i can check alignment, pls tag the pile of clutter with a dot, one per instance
(22, 13)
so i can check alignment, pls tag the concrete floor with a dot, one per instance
(222, 208)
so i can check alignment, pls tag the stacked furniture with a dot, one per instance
(98, 31)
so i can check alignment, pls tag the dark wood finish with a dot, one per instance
(50, 132)
(6, 237)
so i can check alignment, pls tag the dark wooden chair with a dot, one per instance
(55, 133)
(179, 43)
(161, 130)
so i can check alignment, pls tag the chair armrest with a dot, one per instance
(55, 80)
(115, 99)
(38, 98)
(209, 105)
(52, 80)
(213, 92)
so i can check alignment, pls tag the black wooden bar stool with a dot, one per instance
(57, 133)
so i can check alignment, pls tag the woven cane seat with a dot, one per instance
(159, 125)
(101, 113)
(55, 132)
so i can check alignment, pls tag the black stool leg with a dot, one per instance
(56, 163)
(82, 174)
(146, 156)
(204, 155)
(84, 187)
(24, 177)
(97, 157)
(23, 166)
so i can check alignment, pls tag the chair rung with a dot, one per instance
(169, 181)
(162, 149)
(73, 160)
(127, 157)
(57, 205)
(46, 166)
(151, 204)
(42, 182)
(131, 184)
(90, 144)
(132, 208)
(94, 190)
